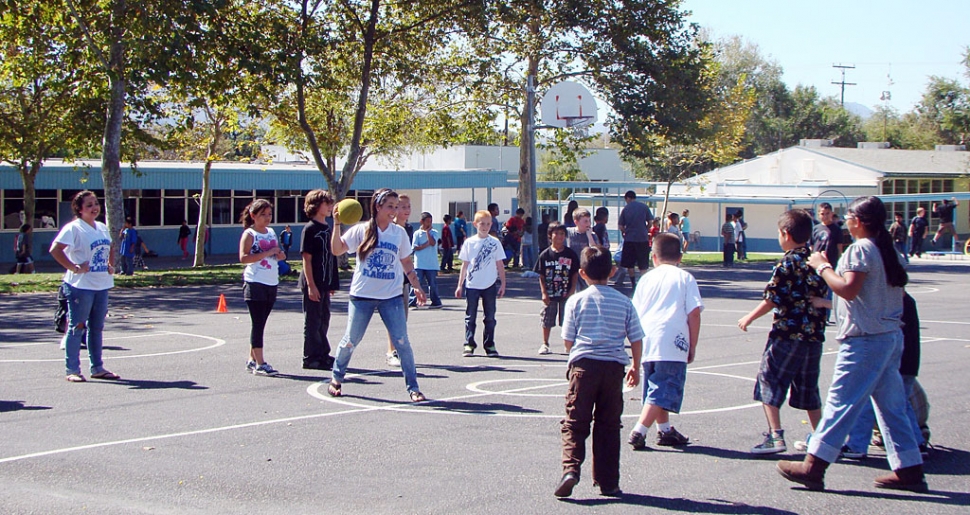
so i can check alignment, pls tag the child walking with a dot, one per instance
(482, 278)
(447, 246)
(596, 325)
(425, 246)
(260, 251)
(319, 280)
(383, 258)
(793, 354)
(558, 267)
(669, 305)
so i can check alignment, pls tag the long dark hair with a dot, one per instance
(380, 198)
(871, 213)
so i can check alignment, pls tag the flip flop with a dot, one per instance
(75, 378)
(106, 375)
(417, 396)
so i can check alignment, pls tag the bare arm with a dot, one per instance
(461, 279)
(57, 252)
(337, 245)
(846, 286)
(694, 330)
(311, 285)
(633, 375)
(501, 277)
(763, 308)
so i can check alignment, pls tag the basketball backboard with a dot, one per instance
(568, 105)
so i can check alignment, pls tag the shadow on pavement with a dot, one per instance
(681, 505)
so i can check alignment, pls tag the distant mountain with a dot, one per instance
(858, 109)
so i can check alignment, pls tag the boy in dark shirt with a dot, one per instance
(318, 280)
(558, 267)
(792, 356)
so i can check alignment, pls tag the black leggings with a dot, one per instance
(258, 312)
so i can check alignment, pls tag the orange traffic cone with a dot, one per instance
(221, 308)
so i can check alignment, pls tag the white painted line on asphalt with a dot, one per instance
(108, 356)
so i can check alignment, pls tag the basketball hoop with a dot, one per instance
(569, 105)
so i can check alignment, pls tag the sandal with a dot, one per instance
(75, 378)
(417, 396)
(334, 389)
(106, 375)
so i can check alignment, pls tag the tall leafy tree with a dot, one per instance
(47, 106)
(362, 78)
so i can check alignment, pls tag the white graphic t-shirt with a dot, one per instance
(663, 299)
(265, 271)
(87, 244)
(379, 275)
(481, 254)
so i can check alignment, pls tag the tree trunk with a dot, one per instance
(205, 206)
(111, 145)
(28, 173)
(527, 146)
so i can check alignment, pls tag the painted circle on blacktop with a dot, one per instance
(316, 390)
(107, 356)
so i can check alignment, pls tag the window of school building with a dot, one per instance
(913, 186)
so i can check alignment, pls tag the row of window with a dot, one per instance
(158, 208)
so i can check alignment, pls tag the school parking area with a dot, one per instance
(187, 430)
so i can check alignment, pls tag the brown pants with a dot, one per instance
(595, 394)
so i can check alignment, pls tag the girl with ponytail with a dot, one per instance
(868, 284)
(383, 260)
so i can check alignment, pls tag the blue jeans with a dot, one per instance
(359, 313)
(128, 264)
(861, 432)
(488, 297)
(88, 307)
(867, 366)
(429, 277)
(528, 257)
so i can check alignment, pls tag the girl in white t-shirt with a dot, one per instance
(84, 248)
(383, 259)
(260, 251)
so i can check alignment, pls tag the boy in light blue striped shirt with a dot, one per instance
(596, 325)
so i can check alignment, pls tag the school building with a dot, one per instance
(159, 195)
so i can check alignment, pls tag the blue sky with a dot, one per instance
(906, 39)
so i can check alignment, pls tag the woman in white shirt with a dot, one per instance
(383, 258)
(84, 248)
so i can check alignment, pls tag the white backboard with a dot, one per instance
(568, 104)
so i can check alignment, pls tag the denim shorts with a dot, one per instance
(793, 365)
(553, 312)
(662, 384)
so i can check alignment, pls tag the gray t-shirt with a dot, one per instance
(633, 219)
(597, 321)
(878, 308)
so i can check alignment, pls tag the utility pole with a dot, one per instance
(843, 83)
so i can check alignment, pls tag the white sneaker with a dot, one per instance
(393, 360)
(544, 349)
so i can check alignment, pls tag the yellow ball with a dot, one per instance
(350, 211)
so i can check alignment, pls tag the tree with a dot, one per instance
(364, 78)
(47, 105)
(812, 117)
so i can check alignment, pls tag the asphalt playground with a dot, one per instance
(188, 431)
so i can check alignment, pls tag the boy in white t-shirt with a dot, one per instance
(669, 305)
(482, 277)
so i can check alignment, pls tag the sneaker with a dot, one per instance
(772, 445)
(468, 350)
(849, 454)
(637, 440)
(544, 349)
(802, 445)
(436, 306)
(265, 370)
(566, 484)
(250, 366)
(671, 438)
(393, 360)
(491, 352)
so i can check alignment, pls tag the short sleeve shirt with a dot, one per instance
(482, 254)
(380, 274)
(315, 241)
(557, 269)
(633, 219)
(826, 239)
(598, 320)
(663, 299)
(727, 232)
(579, 241)
(945, 212)
(878, 307)
(91, 245)
(790, 289)
(426, 258)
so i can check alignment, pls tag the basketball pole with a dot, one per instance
(530, 103)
